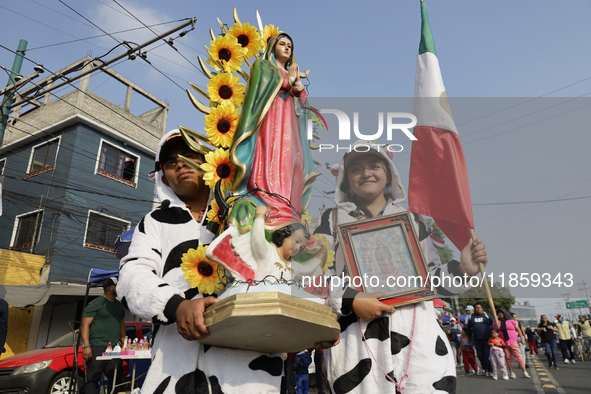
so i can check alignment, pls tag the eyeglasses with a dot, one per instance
(171, 163)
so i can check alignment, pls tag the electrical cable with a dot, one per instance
(122, 43)
(156, 34)
(89, 21)
(98, 46)
(127, 16)
(85, 93)
(100, 35)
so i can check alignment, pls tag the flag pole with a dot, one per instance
(485, 283)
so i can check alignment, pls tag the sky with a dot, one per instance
(495, 58)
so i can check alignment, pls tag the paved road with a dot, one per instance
(568, 379)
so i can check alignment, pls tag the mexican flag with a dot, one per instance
(438, 184)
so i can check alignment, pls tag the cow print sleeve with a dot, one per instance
(140, 283)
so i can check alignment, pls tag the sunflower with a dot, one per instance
(212, 214)
(225, 88)
(226, 50)
(221, 124)
(206, 276)
(329, 253)
(306, 219)
(269, 32)
(247, 36)
(219, 168)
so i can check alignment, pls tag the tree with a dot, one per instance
(502, 297)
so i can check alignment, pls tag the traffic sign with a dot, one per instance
(577, 304)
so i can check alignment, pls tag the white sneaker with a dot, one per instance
(505, 377)
(573, 361)
(526, 375)
(513, 376)
(566, 361)
(495, 377)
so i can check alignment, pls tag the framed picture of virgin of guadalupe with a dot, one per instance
(384, 255)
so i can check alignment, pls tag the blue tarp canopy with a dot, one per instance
(122, 243)
(97, 275)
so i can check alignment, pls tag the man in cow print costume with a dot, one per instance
(151, 286)
(368, 185)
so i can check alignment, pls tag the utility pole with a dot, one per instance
(566, 298)
(12, 80)
(586, 294)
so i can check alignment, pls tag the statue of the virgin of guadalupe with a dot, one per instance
(270, 148)
(271, 154)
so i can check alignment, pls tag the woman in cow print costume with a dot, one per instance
(152, 287)
(368, 185)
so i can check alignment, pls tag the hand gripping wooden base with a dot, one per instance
(270, 322)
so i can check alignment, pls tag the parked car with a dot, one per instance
(47, 370)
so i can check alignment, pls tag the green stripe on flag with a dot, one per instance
(427, 44)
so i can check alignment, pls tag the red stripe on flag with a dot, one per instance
(438, 185)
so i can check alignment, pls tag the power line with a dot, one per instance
(100, 35)
(529, 124)
(534, 202)
(98, 46)
(156, 34)
(44, 24)
(127, 16)
(89, 21)
(122, 43)
(525, 102)
(85, 93)
(61, 13)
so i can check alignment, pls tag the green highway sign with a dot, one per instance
(577, 304)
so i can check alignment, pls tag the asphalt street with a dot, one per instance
(569, 378)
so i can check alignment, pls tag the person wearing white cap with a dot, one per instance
(469, 311)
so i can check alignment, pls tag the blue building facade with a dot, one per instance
(68, 194)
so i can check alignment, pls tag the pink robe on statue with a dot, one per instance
(278, 158)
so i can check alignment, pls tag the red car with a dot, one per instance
(47, 370)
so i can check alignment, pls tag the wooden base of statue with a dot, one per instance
(269, 322)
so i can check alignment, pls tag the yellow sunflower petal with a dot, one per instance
(329, 253)
(248, 37)
(226, 50)
(329, 261)
(269, 32)
(306, 219)
(221, 124)
(219, 168)
(200, 272)
(226, 89)
(212, 214)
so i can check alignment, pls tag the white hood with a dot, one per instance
(162, 191)
(396, 189)
(346, 209)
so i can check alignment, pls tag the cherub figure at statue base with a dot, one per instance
(273, 314)
(244, 250)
